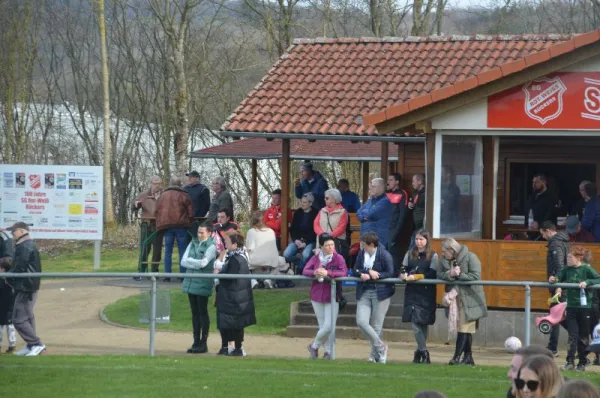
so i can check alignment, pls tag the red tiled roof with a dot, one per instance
(323, 86)
(509, 66)
(260, 148)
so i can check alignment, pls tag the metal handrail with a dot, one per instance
(154, 275)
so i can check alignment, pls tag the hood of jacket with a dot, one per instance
(559, 236)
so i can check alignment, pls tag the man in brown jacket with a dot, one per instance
(174, 216)
(146, 201)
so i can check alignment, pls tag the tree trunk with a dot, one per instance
(180, 139)
(109, 216)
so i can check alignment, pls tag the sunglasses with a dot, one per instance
(532, 385)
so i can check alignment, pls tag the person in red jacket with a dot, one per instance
(272, 217)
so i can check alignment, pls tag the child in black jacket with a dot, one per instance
(6, 306)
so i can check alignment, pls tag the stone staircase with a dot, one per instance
(303, 322)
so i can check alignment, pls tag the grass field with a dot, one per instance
(272, 311)
(210, 376)
(82, 260)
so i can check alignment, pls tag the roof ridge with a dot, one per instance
(435, 38)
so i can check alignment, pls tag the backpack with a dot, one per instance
(6, 246)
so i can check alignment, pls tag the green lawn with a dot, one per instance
(272, 311)
(111, 260)
(211, 376)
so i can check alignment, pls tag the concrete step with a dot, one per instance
(305, 307)
(390, 322)
(346, 332)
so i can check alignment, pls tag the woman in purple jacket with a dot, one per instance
(325, 264)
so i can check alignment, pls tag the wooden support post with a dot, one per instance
(487, 209)
(429, 179)
(401, 164)
(385, 160)
(254, 185)
(365, 181)
(285, 190)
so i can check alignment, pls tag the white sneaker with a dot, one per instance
(268, 284)
(231, 347)
(383, 354)
(371, 359)
(23, 351)
(253, 283)
(36, 350)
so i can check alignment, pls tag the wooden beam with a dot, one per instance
(401, 164)
(254, 185)
(285, 190)
(467, 97)
(385, 160)
(487, 221)
(365, 181)
(429, 178)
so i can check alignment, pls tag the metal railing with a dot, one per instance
(152, 277)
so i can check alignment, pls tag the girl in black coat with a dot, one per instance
(419, 300)
(235, 302)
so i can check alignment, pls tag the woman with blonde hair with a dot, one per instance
(261, 244)
(466, 303)
(538, 377)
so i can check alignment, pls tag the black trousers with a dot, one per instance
(236, 335)
(155, 245)
(200, 319)
(578, 325)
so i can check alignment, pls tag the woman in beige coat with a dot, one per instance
(468, 302)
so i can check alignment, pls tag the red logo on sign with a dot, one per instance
(544, 98)
(35, 181)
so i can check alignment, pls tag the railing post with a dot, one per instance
(152, 315)
(527, 315)
(333, 318)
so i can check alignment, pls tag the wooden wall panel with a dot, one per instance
(511, 261)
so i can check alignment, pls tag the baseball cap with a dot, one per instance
(193, 174)
(18, 225)
(571, 224)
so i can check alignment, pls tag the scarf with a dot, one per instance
(240, 250)
(323, 259)
(369, 259)
(449, 301)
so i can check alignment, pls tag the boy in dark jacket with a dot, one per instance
(6, 306)
(26, 260)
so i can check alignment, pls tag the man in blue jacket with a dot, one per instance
(591, 212)
(375, 214)
(312, 181)
(350, 200)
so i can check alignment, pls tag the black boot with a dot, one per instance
(425, 357)
(459, 349)
(203, 347)
(468, 358)
(418, 356)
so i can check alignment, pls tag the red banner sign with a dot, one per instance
(568, 100)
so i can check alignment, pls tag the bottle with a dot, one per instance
(530, 218)
(582, 298)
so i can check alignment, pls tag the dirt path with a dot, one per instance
(68, 322)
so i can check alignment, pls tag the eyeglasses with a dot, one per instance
(532, 385)
(327, 198)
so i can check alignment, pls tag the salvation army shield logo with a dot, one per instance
(35, 181)
(544, 98)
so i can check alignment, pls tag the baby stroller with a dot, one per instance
(556, 316)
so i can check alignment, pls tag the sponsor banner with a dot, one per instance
(58, 202)
(566, 100)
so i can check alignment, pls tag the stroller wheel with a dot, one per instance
(545, 327)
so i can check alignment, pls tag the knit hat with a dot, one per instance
(308, 166)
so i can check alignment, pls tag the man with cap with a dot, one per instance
(199, 194)
(311, 181)
(26, 260)
(576, 233)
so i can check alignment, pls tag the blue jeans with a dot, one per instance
(292, 250)
(181, 234)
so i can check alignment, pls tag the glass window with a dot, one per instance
(461, 186)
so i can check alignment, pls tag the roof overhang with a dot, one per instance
(402, 116)
(325, 137)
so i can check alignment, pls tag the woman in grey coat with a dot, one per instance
(458, 264)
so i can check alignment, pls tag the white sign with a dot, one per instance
(57, 202)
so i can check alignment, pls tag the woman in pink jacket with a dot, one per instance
(325, 264)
